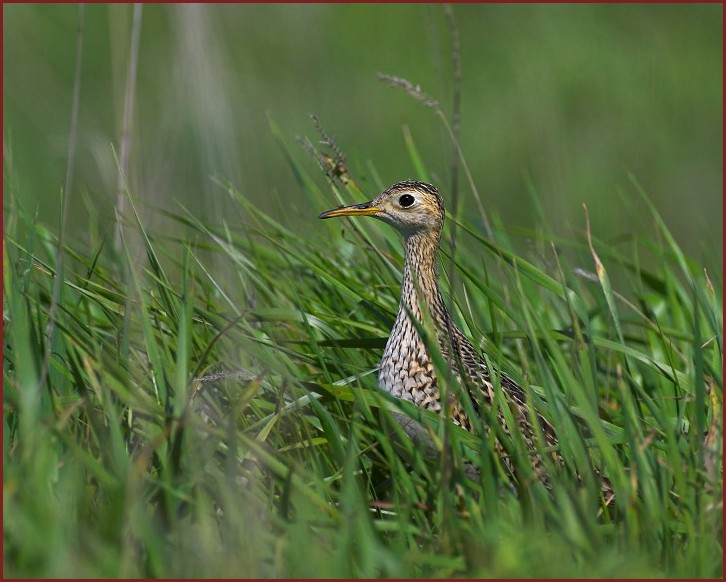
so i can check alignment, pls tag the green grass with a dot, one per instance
(112, 468)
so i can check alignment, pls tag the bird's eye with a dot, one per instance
(406, 200)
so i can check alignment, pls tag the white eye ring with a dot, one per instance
(406, 200)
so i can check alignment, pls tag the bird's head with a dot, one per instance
(412, 207)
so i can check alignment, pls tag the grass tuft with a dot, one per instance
(215, 413)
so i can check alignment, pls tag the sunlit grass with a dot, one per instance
(119, 462)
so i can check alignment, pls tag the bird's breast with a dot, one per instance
(406, 370)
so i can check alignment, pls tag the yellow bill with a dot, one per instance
(365, 209)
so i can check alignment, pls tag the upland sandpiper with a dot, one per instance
(416, 209)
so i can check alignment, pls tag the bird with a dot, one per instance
(416, 210)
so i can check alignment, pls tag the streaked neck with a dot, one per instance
(420, 276)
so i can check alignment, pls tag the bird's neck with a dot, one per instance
(420, 276)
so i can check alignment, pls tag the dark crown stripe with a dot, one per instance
(417, 185)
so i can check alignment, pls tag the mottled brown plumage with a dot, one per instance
(416, 209)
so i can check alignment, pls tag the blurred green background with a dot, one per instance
(569, 97)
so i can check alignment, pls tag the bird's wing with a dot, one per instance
(480, 387)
